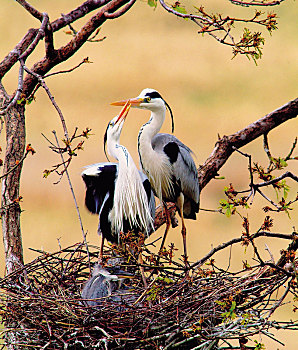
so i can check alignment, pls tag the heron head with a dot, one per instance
(148, 99)
(115, 276)
(114, 128)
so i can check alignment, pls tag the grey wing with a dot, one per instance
(185, 170)
(184, 167)
(160, 140)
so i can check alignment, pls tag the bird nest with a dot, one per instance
(41, 303)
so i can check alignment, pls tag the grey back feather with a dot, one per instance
(184, 168)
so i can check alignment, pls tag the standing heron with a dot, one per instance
(119, 193)
(108, 282)
(166, 161)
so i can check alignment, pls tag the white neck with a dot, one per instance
(147, 132)
(152, 127)
(155, 164)
(117, 151)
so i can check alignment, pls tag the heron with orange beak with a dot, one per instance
(166, 161)
(119, 193)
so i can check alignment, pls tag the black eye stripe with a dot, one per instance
(153, 94)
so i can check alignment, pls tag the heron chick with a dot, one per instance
(105, 283)
(166, 161)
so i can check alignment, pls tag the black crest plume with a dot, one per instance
(172, 117)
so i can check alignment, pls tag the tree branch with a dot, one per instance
(35, 13)
(238, 240)
(12, 57)
(224, 147)
(81, 11)
(256, 3)
(63, 53)
(39, 35)
(277, 179)
(121, 11)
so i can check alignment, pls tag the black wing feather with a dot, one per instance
(99, 182)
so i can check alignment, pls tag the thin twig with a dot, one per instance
(85, 60)
(238, 240)
(20, 161)
(291, 150)
(51, 97)
(75, 200)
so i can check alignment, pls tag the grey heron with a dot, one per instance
(119, 193)
(166, 161)
(108, 282)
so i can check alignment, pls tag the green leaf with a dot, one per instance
(285, 187)
(283, 163)
(259, 346)
(233, 306)
(20, 101)
(165, 279)
(152, 3)
(180, 9)
(46, 173)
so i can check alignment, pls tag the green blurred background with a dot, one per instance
(209, 93)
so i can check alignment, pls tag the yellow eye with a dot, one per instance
(148, 99)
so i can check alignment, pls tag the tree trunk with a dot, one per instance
(15, 146)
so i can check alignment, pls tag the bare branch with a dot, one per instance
(224, 147)
(43, 84)
(18, 163)
(85, 60)
(81, 11)
(40, 34)
(121, 11)
(269, 200)
(256, 2)
(277, 179)
(13, 56)
(18, 92)
(63, 53)
(75, 201)
(292, 150)
(238, 240)
(266, 148)
(22, 59)
(35, 13)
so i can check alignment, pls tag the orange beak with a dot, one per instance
(124, 111)
(133, 101)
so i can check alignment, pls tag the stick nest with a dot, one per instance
(42, 303)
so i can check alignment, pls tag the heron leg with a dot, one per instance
(142, 270)
(180, 203)
(101, 250)
(168, 223)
